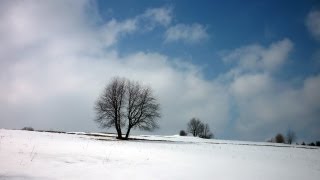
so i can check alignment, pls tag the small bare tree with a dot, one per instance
(110, 104)
(205, 132)
(291, 136)
(142, 108)
(195, 126)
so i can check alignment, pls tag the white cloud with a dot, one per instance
(188, 33)
(266, 105)
(250, 85)
(52, 80)
(257, 57)
(275, 109)
(311, 91)
(313, 24)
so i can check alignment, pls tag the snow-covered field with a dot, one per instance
(42, 155)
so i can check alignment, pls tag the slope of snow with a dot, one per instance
(42, 155)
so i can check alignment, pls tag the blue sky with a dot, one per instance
(248, 68)
(229, 24)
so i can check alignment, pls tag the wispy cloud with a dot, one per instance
(313, 24)
(162, 15)
(147, 21)
(112, 31)
(193, 33)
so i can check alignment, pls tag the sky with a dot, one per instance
(250, 69)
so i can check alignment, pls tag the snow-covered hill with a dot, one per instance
(43, 155)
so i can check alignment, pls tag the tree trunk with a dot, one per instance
(119, 133)
(118, 128)
(128, 132)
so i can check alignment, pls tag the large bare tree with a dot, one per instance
(126, 102)
(109, 106)
(142, 108)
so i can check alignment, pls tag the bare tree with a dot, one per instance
(205, 132)
(195, 126)
(279, 138)
(142, 108)
(124, 102)
(291, 136)
(110, 104)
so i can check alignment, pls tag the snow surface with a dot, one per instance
(43, 155)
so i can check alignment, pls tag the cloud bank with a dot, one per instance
(56, 57)
(262, 100)
(56, 66)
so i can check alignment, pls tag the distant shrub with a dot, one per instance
(207, 136)
(182, 133)
(303, 143)
(28, 129)
(318, 143)
(312, 144)
(279, 138)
